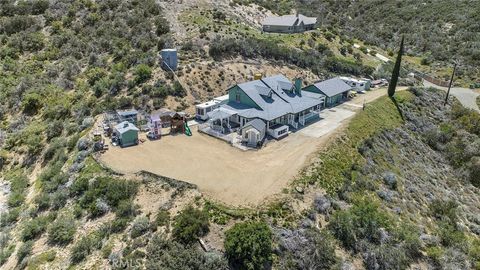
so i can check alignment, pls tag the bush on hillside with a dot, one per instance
(363, 221)
(31, 103)
(306, 249)
(62, 231)
(248, 245)
(35, 227)
(190, 224)
(164, 254)
(24, 250)
(139, 226)
(142, 73)
(475, 172)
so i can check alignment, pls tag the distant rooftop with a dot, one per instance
(126, 113)
(289, 20)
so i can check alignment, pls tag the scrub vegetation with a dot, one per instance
(392, 191)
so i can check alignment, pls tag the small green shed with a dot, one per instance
(127, 134)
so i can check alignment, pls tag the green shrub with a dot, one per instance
(119, 224)
(54, 129)
(111, 191)
(24, 250)
(162, 218)
(164, 254)
(35, 227)
(162, 26)
(86, 245)
(363, 221)
(10, 217)
(139, 226)
(62, 231)
(15, 199)
(475, 172)
(178, 90)
(36, 261)
(249, 245)
(190, 224)
(126, 208)
(444, 210)
(18, 184)
(142, 73)
(5, 253)
(309, 249)
(31, 103)
(43, 201)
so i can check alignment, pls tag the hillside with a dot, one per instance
(396, 187)
(437, 32)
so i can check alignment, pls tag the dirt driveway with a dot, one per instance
(230, 175)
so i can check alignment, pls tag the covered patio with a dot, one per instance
(221, 120)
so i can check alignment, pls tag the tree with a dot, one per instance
(190, 224)
(249, 245)
(396, 71)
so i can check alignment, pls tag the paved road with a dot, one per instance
(467, 97)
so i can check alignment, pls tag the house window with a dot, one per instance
(281, 132)
(237, 97)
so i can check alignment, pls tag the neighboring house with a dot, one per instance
(128, 115)
(275, 100)
(335, 90)
(289, 24)
(126, 133)
(254, 132)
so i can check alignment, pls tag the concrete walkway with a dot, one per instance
(467, 97)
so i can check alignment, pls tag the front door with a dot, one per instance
(252, 138)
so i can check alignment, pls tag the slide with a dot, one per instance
(188, 132)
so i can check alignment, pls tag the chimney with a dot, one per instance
(297, 14)
(298, 86)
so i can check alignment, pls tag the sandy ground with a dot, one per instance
(230, 175)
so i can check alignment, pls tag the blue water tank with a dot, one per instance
(169, 57)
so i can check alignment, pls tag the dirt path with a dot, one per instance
(228, 174)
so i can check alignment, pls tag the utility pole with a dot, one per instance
(450, 85)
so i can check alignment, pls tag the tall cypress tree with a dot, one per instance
(396, 71)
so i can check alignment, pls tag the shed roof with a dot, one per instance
(333, 87)
(127, 113)
(256, 124)
(125, 126)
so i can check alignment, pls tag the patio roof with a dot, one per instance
(221, 113)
